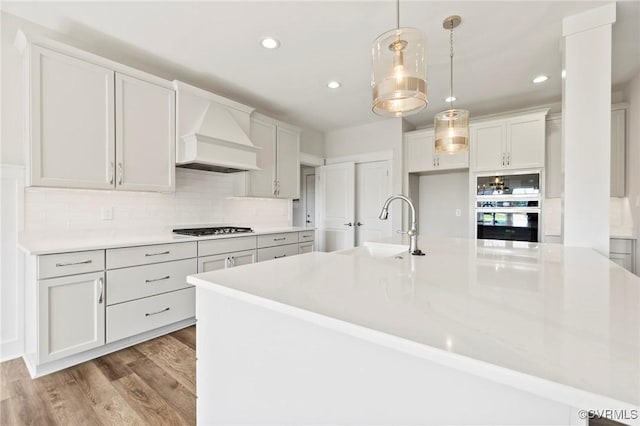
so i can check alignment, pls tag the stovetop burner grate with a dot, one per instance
(218, 230)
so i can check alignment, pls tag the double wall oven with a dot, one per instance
(508, 207)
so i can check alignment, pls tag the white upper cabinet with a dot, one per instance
(94, 127)
(145, 135)
(287, 163)
(418, 148)
(420, 154)
(72, 122)
(279, 159)
(517, 142)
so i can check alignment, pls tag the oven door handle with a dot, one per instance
(508, 210)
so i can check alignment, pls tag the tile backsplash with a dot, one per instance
(200, 198)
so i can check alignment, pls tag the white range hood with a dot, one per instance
(212, 132)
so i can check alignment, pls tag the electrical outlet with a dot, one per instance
(458, 212)
(107, 213)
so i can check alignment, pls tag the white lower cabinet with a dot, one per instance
(71, 315)
(135, 317)
(151, 293)
(305, 244)
(84, 304)
(623, 252)
(226, 260)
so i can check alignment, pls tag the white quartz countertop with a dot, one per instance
(42, 243)
(557, 321)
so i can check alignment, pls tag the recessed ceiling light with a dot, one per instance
(270, 43)
(564, 73)
(333, 84)
(540, 79)
(450, 99)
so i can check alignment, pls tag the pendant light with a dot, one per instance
(451, 126)
(399, 71)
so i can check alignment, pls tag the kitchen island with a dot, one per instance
(475, 332)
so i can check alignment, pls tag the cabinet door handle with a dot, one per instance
(278, 257)
(156, 313)
(120, 174)
(306, 236)
(157, 279)
(101, 282)
(503, 160)
(111, 172)
(157, 254)
(280, 239)
(359, 223)
(508, 159)
(82, 262)
(348, 224)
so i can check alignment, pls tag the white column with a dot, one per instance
(586, 117)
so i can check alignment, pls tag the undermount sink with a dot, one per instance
(382, 250)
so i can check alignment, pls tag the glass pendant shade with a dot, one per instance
(452, 131)
(399, 73)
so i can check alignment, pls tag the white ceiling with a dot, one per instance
(499, 48)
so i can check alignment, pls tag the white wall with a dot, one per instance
(440, 195)
(633, 155)
(312, 142)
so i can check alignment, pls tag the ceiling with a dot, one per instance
(499, 48)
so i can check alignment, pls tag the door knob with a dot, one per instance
(349, 224)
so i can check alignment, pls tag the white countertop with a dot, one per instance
(558, 321)
(40, 243)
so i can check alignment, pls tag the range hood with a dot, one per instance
(212, 132)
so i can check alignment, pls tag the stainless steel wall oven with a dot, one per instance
(508, 207)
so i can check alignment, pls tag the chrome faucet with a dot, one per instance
(413, 232)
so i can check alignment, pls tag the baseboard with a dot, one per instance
(60, 364)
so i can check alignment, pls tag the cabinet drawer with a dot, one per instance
(277, 239)
(305, 247)
(136, 282)
(138, 316)
(80, 262)
(144, 255)
(226, 245)
(306, 236)
(617, 245)
(269, 253)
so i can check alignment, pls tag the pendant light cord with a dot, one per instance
(397, 14)
(451, 65)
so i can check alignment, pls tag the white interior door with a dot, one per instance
(337, 206)
(372, 190)
(310, 201)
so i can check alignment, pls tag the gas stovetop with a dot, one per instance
(218, 230)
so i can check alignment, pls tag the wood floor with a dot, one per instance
(151, 383)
